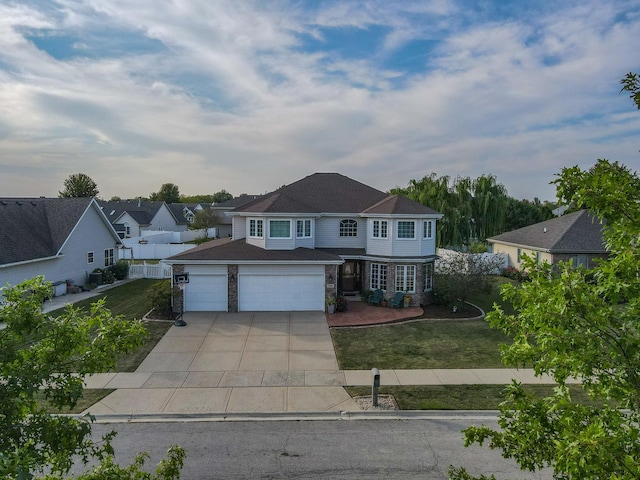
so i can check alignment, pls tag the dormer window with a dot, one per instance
(348, 228)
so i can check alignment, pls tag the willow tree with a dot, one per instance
(489, 206)
(472, 209)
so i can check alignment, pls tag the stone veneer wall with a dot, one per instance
(232, 288)
(330, 270)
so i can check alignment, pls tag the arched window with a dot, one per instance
(348, 228)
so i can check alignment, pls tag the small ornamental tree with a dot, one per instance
(459, 276)
(46, 357)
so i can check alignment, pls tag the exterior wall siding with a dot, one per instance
(327, 233)
(90, 235)
(163, 220)
(238, 228)
(512, 254)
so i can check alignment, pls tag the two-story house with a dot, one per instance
(292, 248)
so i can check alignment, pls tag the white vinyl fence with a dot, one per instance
(154, 251)
(158, 270)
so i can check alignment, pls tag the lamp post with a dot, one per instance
(179, 322)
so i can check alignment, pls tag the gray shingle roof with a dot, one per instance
(142, 211)
(577, 232)
(332, 193)
(238, 250)
(35, 228)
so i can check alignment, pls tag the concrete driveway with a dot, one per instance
(250, 362)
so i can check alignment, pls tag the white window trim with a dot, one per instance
(352, 225)
(109, 257)
(380, 223)
(428, 277)
(304, 230)
(427, 230)
(257, 221)
(402, 288)
(93, 257)
(398, 230)
(380, 266)
(280, 238)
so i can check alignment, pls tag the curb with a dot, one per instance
(296, 417)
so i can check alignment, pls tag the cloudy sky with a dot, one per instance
(248, 96)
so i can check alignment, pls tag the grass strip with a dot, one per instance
(88, 398)
(459, 397)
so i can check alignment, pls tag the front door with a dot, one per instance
(350, 276)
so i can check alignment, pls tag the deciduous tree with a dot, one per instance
(43, 357)
(169, 192)
(578, 323)
(79, 185)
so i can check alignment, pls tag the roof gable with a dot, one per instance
(142, 211)
(572, 233)
(37, 227)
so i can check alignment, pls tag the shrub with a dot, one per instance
(514, 274)
(120, 270)
(160, 297)
(107, 275)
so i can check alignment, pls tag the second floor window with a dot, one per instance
(427, 229)
(255, 228)
(348, 228)
(279, 229)
(406, 229)
(303, 228)
(380, 229)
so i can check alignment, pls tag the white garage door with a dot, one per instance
(275, 288)
(206, 291)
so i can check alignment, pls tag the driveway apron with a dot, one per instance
(250, 362)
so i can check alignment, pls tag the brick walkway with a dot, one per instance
(362, 314)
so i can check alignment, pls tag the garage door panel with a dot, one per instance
(206, 293)
(296, 290)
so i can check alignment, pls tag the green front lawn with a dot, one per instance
(131, 301)
(417, 345)
(459, 397)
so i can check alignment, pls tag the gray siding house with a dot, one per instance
(322, 235)
(63, 239)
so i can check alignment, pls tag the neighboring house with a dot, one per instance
(130, 217)
(224, 227)
(63, 239)
(294, 247)
(185, 213)
(576, 236)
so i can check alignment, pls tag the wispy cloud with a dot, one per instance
(247, 96)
